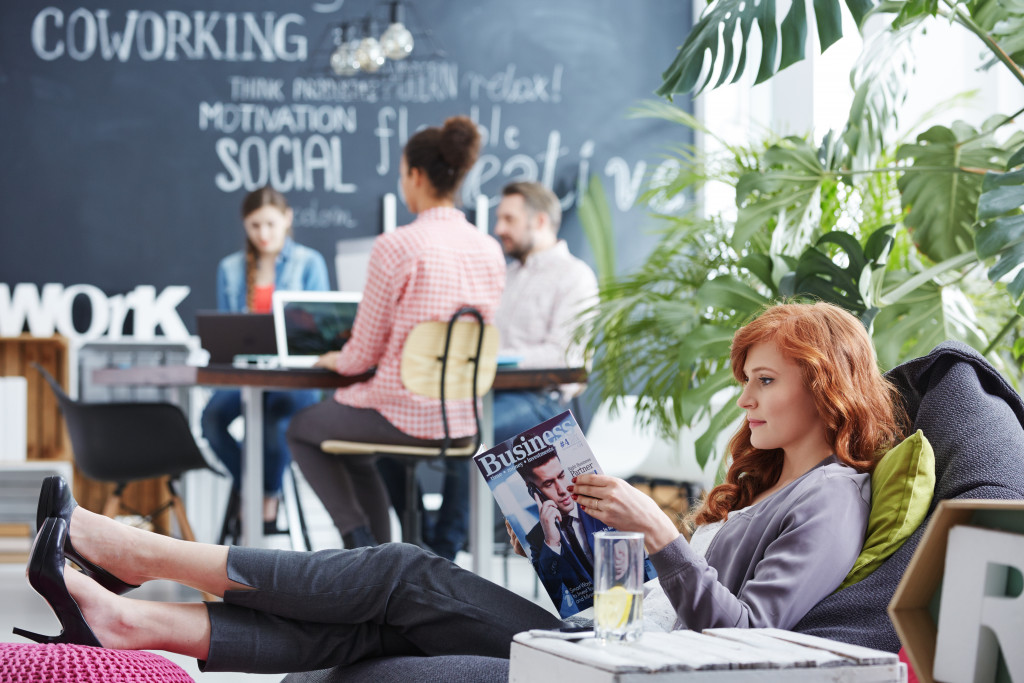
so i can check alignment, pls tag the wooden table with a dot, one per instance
(254, 381)
(718, 655)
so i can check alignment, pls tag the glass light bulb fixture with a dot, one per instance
(343, 59)
(370, 55)
(397, 40)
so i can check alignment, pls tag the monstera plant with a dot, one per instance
(922, 239)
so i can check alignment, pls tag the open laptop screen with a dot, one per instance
(309, 324)
(226, 335)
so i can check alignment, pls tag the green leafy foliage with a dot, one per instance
(924, 241)
(1001, 232)
(782, 44)
(942, 186)
(596, 219)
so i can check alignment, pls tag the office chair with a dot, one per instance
(127, 442)
(441, 360)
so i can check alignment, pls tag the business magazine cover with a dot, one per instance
(529, 475)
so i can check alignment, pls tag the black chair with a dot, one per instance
(444, 360)
(127, 442)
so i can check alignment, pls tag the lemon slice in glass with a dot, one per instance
(612, 607)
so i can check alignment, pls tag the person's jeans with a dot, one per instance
(514, 412)
(278, 407)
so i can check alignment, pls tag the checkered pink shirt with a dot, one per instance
(424, 271)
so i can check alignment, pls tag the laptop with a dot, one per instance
(309, 324)
(227, 335)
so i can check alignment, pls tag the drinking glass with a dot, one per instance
(618, 584)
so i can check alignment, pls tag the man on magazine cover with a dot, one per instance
(560, 542)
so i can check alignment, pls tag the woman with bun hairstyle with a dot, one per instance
(779, 536)
(423, 271)
(246, 281)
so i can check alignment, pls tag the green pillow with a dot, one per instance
(901, 491)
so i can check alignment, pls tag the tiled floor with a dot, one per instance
(22, 607)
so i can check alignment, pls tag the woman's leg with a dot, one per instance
(327, 474)
(278, 408)
(353, 604)
(122, 623)
(391, 599)
(372, 495)
(135, 556)
(220, 411)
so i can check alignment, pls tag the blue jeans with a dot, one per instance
(514, 412)
(278, 407)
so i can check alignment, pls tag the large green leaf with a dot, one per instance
(699, 398)
(727, 293)
(942, 186)
(709, 48)
(1004, 19)
(880, 81)
(785, 192)
(910, 10)
(719, 421)
(929, 315)
(820, 275)
(1002, 232)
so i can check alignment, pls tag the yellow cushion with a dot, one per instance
(901, 492)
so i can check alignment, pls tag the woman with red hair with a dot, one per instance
(784, 529)
(778, 536)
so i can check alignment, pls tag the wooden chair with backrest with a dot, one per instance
(447, 361)
(128, 442)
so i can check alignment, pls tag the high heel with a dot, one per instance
(55, 500)
(45, 574)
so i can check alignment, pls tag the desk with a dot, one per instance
(254, 381)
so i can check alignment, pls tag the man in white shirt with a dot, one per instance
(547, 289)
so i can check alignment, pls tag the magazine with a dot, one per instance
(528, 475)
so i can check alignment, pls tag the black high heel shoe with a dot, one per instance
(55, 500)
(46, 576)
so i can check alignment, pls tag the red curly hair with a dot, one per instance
(858, 406)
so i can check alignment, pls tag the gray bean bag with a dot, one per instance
(975, 423)
(442, 669)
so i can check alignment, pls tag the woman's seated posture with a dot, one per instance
(778, 536)
(426, 270)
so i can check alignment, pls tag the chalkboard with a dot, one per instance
(131, 132)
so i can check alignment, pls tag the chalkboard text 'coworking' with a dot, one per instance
(229, 36)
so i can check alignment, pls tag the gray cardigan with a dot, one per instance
(770, 563)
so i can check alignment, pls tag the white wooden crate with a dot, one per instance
(714, 656)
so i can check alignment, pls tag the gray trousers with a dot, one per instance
(335, 607)
(349, 486)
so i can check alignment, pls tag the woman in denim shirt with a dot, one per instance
(246, 281)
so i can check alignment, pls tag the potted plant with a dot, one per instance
(923, 238)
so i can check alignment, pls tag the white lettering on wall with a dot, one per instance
(51, 311)
(152, 36)
(293, 118)
(286, 163)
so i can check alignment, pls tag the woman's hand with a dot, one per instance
(618, 504)
(329, 360)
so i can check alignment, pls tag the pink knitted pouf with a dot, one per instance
(30, 663)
